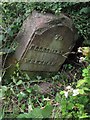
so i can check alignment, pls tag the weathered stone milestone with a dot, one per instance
(44, 42)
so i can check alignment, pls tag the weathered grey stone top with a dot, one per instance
(44, 42)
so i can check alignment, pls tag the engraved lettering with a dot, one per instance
(44, 49)
(58, 37)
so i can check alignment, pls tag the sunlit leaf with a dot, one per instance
(81, 91)
(80, 82)
(19, 82)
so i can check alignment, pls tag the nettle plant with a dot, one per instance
(75, 101)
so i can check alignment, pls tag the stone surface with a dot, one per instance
(44, 42)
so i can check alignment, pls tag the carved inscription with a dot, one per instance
(44, 49)
(58, 37)
(32, 61)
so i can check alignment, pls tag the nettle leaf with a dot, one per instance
(46, 112)
(70, 106)
(85, 72)
(36, 113)
(25, 115)
(58, 97)
(81, 91)
(84, 116)
(80, 82)
(85, 88)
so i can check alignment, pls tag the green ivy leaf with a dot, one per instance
(1, 38)
(28, 90)
(10, 32)
(85, 10)
(19, 82)
(21, 95)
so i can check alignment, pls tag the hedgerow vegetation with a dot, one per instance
(65, 94)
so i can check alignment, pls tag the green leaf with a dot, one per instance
(0, 93)
(25, 115)
(21, 95)
(1, 38)
(23, 106)
(10, 32)
(86, 88)
(70, 106)
(46, 112)
(58, 97)
(62, 92)
(81, 91)
(36, 113)
(28, 90)
(3, 90)
(27, 77)
(14, 80)
(84, 116)
(36, 88)
(80, 82)
(85, 10)
(19, 82)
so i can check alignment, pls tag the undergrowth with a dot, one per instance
(65, 94)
